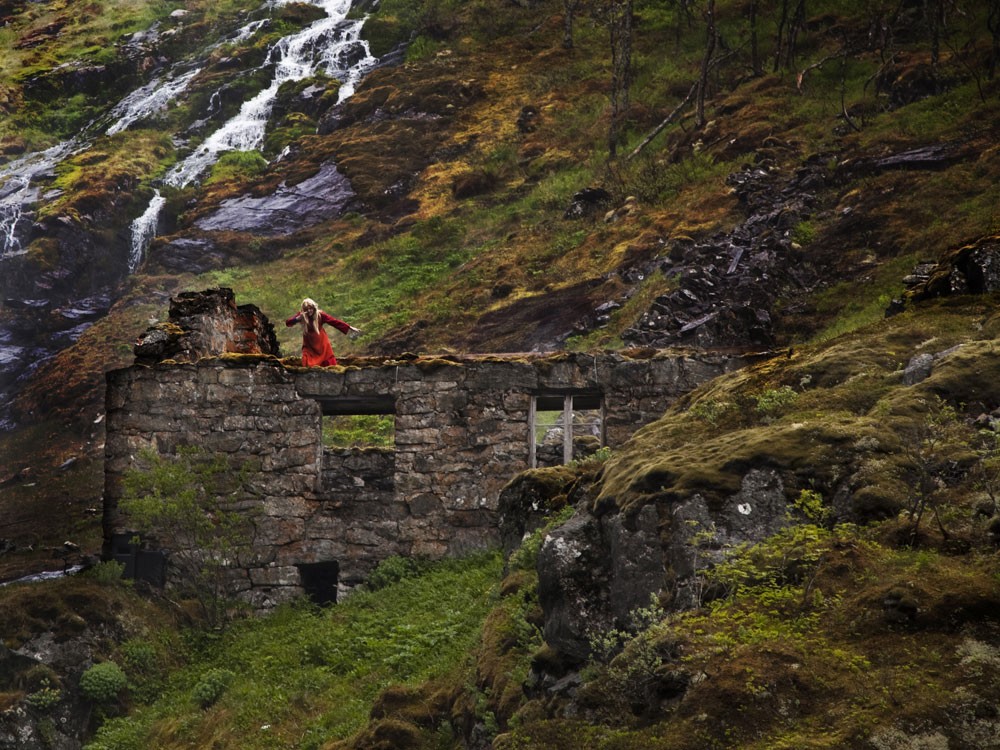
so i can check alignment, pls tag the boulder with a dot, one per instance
(969, 269)
(588, 202)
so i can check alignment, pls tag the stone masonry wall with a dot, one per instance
(462, 432)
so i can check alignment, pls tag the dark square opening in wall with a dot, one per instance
(319, 581)
(141, 564)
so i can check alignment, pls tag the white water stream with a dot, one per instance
(147, 100)
(144, 230)
(330, 44)
(16, 191)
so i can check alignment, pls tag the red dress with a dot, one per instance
(316, 349)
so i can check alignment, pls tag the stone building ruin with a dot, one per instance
(464, 426)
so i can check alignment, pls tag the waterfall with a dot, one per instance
(148, 100)
(144, 230)
(16, 191)
(331, 44)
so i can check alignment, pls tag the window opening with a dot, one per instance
(359, 431)
(565, 427)
(358, 447)
(358, 423)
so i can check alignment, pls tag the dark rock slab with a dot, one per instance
(189, 255)
(288, 209)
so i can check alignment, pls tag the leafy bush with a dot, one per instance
(103, 682)
(422, 48)
(804, 233)
(774, 400)
(144, 670)
(107, 573)
(45, 698)
(525, 557)
(712, 412)
(810, 504)
(211, 686)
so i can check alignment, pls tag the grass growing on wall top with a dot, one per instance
(303, 676)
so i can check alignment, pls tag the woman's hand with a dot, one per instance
(353, 333)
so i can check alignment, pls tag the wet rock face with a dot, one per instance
(188, 255)
(287, 210)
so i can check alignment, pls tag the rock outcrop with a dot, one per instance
(596, 570)
(727, 284)
(289, 209)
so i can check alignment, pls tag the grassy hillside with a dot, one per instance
(881, 633)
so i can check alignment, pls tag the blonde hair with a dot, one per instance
(310, 321)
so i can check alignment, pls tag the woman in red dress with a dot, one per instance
(316, 349)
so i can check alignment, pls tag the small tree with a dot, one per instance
(706, 63)
(190, 505)
(617, 16)
(993, 24)
(986, 473)
(937, 450)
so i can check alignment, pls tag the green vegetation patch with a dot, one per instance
(305, 676)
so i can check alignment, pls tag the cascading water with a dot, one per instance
(143, 231)
(148, 100)
(331, 44)
(16, 191)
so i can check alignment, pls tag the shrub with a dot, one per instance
(525, 557)
(211, 686)
(774, 400)
(45, 698)
(142, 666)
(103, 682)
(107, 573)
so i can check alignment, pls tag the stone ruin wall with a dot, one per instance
(462, 431)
